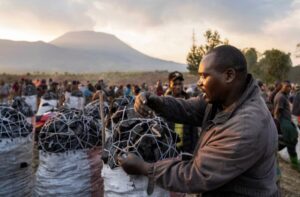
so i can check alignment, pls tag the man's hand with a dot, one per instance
(134, 165)
(141, 104)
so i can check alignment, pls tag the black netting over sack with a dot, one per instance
(68, 130)
(148, 138)
(49, 95)
(13, 124)
(20, 105)
(29, 90)
(93, 109)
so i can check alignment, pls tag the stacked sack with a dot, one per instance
(148, 138)
(15, 151)
(70, 156)
(49, 102)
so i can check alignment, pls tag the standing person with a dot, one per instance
(128, 91)
(296, 106)
(41, 89)
(29, 92)
(188, 135)
(88, 93)
(277, 88)
(263, 90)
(236, 151)
(159, 88)
(15, 89)
(4, 92)
(282, 113)
(120, 91)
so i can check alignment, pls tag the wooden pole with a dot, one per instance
(101, 104)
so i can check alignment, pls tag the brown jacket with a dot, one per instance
(236, 152)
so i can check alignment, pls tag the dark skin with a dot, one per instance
(221, 86)
(177, 87)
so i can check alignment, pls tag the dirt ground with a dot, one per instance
(290, 180)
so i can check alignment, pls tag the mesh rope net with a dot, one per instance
(148, 138)
(93, 109)
(69, 129)
(13, 124)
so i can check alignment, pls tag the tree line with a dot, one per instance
(269, 66)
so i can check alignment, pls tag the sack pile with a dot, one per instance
(16, 152)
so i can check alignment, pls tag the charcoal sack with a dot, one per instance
(15, 167)
(119, 184)
(71, 173)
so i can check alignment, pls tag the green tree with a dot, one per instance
(213, 39)
(251, 56)
(275, 65)
(194, 57)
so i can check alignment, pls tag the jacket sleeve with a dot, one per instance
(182, 111)
(221, 160)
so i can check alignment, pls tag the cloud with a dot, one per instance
(242, 16)
(158, 27)
(45, 16)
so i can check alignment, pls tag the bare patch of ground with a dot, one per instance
(290, 180)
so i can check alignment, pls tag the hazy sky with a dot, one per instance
(158, 28)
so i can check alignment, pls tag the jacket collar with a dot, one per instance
(250, 91)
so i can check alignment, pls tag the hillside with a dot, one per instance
(83, 51)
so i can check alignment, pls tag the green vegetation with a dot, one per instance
(194, 57)
(294, 74)
(272, 65)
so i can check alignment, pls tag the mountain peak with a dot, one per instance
(81, 51)
(88, 40)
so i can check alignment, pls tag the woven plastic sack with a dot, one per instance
(76, 102)
(15, 167)
(46, 106)
(32, 102)
(119, 184)
(73, 173)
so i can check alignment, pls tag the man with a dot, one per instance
(4, 92)
(236, 151)
(263, 90)
(176, 86)
(296, 105)
(188, 135)
(282, 113)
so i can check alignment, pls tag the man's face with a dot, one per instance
(211, 81)
(286, 88)
(176, 86)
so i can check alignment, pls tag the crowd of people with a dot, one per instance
(228, 113)
(62, 90)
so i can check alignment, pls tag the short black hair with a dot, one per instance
(227, 56)
(175, 75)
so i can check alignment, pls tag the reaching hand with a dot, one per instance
(133, 165)
(141, 104)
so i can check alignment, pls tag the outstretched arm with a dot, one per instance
(189, 111)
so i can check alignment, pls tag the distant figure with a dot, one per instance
(188, 135)
(4, 92)
(296, 106)
(119, 91)
(282, 113)
(159, 88)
